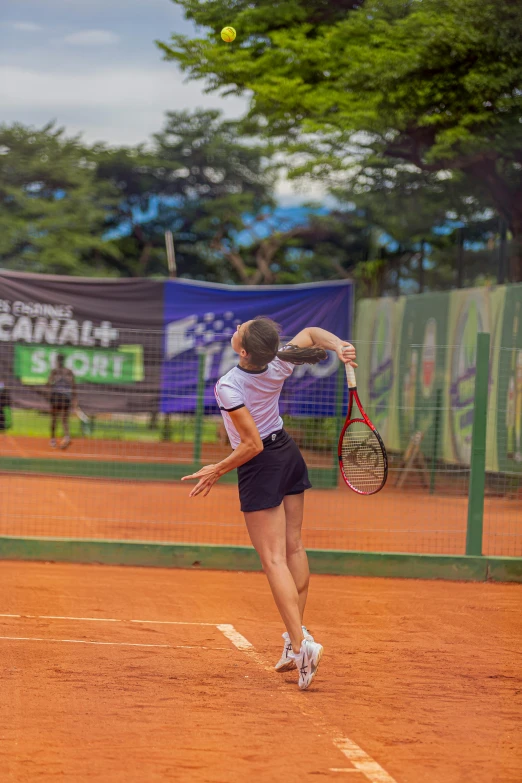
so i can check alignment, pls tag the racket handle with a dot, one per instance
(350, 376)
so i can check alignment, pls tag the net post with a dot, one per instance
(339, 395)
(436, 432)
(200, 408)
(478, 450)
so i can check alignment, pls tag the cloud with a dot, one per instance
(117, 105)
(92, 38)
(26, 27)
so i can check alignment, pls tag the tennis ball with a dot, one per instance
(228, 34)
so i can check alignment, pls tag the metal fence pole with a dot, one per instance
(200, 408)
(477, 479)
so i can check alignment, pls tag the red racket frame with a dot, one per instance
(353, 396)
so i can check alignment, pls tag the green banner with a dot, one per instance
(422, 356)
(33, 363)
(509, 408)
(377, 338)
(415, 350)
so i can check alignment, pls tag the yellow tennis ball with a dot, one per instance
(228, 34)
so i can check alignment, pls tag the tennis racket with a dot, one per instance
(362, 456)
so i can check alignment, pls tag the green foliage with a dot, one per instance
(197, 179)
(435, 85)
(52, 208)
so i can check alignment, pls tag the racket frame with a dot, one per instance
(354, 397)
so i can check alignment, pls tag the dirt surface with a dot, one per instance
(425, 678)
(395, 520)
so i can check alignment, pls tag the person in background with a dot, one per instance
(62, 396)
(5, 408)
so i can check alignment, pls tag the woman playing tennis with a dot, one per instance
(272, 473)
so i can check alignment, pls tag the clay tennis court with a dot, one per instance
(122, 674)
(400, 520)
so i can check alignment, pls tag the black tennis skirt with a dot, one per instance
(277, 471)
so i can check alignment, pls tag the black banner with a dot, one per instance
(109, 331)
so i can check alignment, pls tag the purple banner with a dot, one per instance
(201, 318)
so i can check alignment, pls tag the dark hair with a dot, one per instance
(261, 342)
(60, 359)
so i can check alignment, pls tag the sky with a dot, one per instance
(93, 67)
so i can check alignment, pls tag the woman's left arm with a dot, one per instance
(314, 335)
(249, 447)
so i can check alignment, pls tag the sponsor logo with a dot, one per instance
(210, 334)
(40, 323)
(471, 320)
(33, 363)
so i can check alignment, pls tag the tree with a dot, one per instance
(198, 179)
(52, 208)
(435, 85)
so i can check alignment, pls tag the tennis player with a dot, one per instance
(272, 473)
(62, 395)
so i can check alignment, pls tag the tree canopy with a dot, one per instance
(53, 209)
(431, 86)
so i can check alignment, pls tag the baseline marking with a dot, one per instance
(104, 619)
(112, 644)
(361, 761)
(79, 641)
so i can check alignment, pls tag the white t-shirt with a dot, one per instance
(258, 391)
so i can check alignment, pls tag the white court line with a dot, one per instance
(104, 619)
(361, 761)
(87, 619)
(80, 641)
(112, 644)
(236, 638)
(167, 622)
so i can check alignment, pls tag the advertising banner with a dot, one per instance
(414, 347)
(109, 331)
(422, 359)
(378, 329)
(201, 318)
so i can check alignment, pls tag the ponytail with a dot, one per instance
(261, 342)
(296, 355)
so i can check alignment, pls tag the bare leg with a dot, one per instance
(54, 417)
(267, 530)
(295, 552)
(65, 423)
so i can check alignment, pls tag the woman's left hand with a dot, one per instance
(207, 476)
(346, 353)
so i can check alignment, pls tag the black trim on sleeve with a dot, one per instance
(236, 408)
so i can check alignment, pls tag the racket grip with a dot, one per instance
(350, 376)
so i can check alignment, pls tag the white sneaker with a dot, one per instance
(286, 663)
(53, 443)
(307, 661)
(66, 442)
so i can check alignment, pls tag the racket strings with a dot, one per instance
(363, 459)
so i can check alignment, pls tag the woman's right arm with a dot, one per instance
(249, 446)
